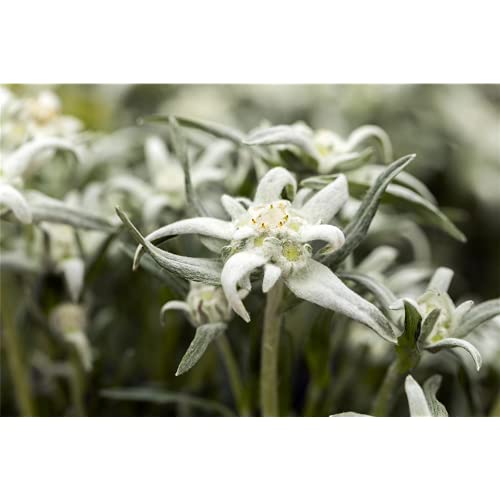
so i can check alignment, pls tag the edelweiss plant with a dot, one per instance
(285, 248)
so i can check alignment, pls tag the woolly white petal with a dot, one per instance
(157, 158)
(451, 343)
(461, 311)
(232, 207)
(416, 399)
(371, 131)
(324, 232)
(244, 233)
(272, 184)
(272, 274)
(74, 271)
(133, 185)
(82, 346)
(327, 202)
(441, 279)
(175, 305)
(17, 162)
(204, 226)
(13, 199)
(235, 268)
(316, 283)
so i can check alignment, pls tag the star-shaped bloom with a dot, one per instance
(442, 323)
(14, 168)
(165, 188)
(277, 235)
(204, 304)
(327, 150)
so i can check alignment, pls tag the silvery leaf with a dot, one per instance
(431, 386)
(381, 293)
(204, 335)
(357, 229)
(405, 199)
(416, 399)
(158, 396)
(478, 315)
(48, 209)
(173, 282)
(181, 151)
(202, 270)
(220, 131)
(20, 160)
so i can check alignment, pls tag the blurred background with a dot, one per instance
(453, 129)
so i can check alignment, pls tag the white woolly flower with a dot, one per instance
(204, 304)
(275, 234)
(69, 321)
(34, 117)
(328, 150)
(166, 177)
(14, 168)
(441, 319)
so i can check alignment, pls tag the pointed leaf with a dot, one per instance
(215, 129)
(204, 335)
(203, 270)
(158, 396)
(382, 294)
(416, 398)
(358, 228)
(48, 209)
(431, 386)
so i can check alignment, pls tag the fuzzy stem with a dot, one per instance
(233, 374)
(269, 352)
(384, 399)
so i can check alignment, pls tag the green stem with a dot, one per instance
(269, 352)
(384, 399)
(77, 386)
(233, 374)
(17, 367)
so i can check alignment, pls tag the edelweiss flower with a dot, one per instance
(166, 175)
(204, 304)
(14, 168)
(327, 149)
(33, 118)
(441, 319)
(69, 321)
(275, 234)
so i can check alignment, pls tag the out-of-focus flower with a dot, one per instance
(323, 149)
(165, 188)
(15, 167)
(69, 320)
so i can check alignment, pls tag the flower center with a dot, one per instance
(271, 217)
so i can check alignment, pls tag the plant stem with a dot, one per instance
(384, 399)
(233, 374)
(17, 366)
(269, 400)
